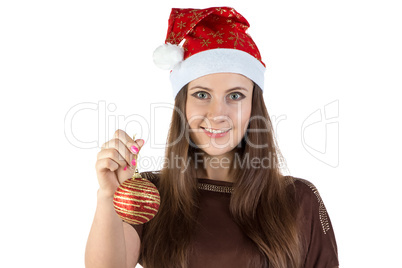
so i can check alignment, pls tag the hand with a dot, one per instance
(115, 162)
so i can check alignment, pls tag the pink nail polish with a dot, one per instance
(125, 168)
(134, 149)
(133, 162)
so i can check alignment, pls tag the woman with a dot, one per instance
(224, 201)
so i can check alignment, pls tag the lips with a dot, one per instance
(215, 133)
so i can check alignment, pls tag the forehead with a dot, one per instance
(222, 81)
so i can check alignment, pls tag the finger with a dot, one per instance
(114, 155)
(117, 151)
(133, 146)
(104, 164)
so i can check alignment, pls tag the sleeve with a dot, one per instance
(319, 241)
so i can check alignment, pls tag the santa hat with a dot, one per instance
(207, 41)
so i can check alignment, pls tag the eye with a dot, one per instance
(236, 96)
(200, 95)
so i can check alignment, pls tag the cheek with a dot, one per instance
(193, 117)
(188, 112)
(245, 117)
(195, 113)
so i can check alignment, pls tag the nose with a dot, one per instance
(217, 112)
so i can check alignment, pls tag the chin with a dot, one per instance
(218, 147)
(216, 152)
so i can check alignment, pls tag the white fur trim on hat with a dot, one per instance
(219, 60)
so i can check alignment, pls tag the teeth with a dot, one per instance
(215, 131)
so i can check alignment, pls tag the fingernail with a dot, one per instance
(133, 162)
(141, 140)
(125, 168)
(134, 149)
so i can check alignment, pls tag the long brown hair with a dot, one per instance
(262, 202)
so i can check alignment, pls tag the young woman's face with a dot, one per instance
(218, 111)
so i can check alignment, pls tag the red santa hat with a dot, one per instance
(207, 41)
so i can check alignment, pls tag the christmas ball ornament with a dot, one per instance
(167, 56)
(136, 200)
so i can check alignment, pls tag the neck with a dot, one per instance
(216, 167)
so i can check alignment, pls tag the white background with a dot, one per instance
(55, 55)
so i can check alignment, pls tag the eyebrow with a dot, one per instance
(208, 89)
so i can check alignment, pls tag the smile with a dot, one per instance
(216, 133)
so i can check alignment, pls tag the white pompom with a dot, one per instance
(167, 56)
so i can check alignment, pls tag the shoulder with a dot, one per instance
(310, 202)
(152, 176)
(317, 233)
(303, 187)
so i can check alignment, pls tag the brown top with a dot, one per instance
(219, 242)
